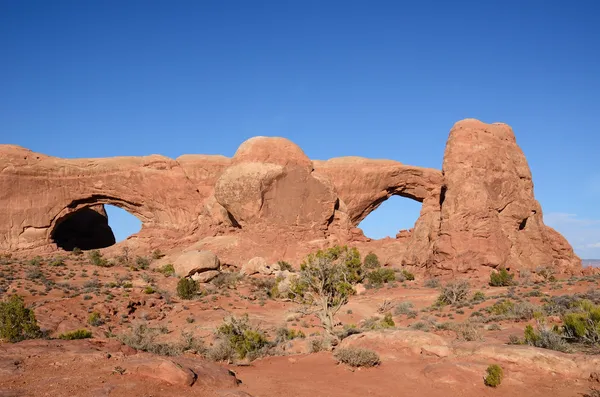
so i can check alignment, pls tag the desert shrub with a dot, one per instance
(286, 334)
(143, 338)
(501, 278)
(168, 270)
(186, 288)
(149, 290)
(546, 272)
(142, 263)
(408, 275)
(583, 325)
(95, 320)
(157, 254)
(454, 292)
(376, 278)
(344, 256)
(371, 261)
(478, 296)
(34, 273)
(283, 265)
(77, 334)
(242, 338)
(77, 251)
(57, 262)
(227, 279)
(36, 261)
(544, 338)
(388, 321)
(466, 331)
(316, 345)
(432, 283)
(494, 375)
(403, 308)
(17, 322)
(97, 259)
(356, 357)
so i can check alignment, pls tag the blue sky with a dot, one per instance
(382, 79)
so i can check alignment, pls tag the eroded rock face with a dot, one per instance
(270, 200)
(489, 215)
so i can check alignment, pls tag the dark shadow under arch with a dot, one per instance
(86, 229)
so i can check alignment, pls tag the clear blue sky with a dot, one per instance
(383, 79)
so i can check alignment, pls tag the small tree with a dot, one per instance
(371, 261)
(187, 288)
(325, 283)
(17, 322)
(501, 278)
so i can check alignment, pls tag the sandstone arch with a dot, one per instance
(86, 228)
(271, 200)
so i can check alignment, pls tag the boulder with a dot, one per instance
(192, 262)
(206, 276)
(258, 265)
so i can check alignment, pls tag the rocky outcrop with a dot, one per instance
(270, 200)
(489, 215)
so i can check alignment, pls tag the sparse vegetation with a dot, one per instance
(357, 357)
(454, 292)
(283, 265)
(494, 376)
(501, 278)
(97, 259)
(187, 288)
(17, 322)
(77, 334)
(376, 278)
(238, 338)
(143, 338)
(95, 319)
(168, 270)
(371, 261)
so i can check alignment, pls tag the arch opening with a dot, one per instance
(94, 227)
(391, 217)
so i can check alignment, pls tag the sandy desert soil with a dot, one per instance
(428, 352)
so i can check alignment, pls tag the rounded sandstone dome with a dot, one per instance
(273, 150)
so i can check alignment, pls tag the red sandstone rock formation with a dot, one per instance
(271, 200)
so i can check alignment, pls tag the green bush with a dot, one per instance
(168, 270)
(285, 334)
(186, 288)
(283, 265)
(408, 275)
(583, 325)
(96, 259)
(544, 338)
(17, 322)
(142, 263)
(501, 278)
(371, 261)
(388, 321)
(494, 376)
(77, 251)
(77, 334)
(478, 296)
(357, 357)
(344, 255)
(378, 277)
(241, 337)
(149, 290)
(95, 320)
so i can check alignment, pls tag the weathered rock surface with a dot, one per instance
(489, 215)
(195, 262)
(271, 200)
(258, 265)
